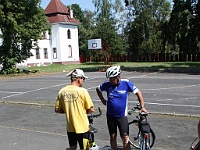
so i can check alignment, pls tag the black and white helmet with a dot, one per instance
(113, 71)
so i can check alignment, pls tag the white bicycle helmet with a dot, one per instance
(113, 71)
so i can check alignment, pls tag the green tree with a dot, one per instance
(193, 32)
(183, 27)
(107, 27)
(86, 27)
(195, 27)
(144, 31)
(177, 26)
(22, 24)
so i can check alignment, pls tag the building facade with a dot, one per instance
(61, 45)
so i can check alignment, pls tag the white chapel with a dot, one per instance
(62, 45)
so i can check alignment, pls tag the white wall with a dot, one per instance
(57, 39)
(64, 42)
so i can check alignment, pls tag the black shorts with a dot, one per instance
(120, 122)
(74, 138)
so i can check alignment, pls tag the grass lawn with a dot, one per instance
(170, 67)
(175, 67)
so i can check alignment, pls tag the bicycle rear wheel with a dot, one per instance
(135, 136)
(195, 144)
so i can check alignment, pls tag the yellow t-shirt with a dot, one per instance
(75, 101)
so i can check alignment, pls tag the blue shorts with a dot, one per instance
(120, 122)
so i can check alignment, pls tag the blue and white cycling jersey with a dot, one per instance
(117, 103)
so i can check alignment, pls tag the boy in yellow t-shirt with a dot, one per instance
(76, 103)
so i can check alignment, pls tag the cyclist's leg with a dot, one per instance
(72, 140)
(112, 127)
(124, 132)
(113, 141)
(80, 139)
(126, 145)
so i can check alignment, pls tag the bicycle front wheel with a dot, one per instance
(135, 137)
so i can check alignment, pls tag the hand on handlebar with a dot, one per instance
(143, 110)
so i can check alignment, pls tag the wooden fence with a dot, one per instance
(167, 57)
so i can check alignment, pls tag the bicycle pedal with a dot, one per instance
(93, 130)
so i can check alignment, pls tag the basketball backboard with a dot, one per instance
(94, 44)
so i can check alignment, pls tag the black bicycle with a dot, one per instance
(141, 135)
(89, 142)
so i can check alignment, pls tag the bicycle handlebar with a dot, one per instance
(96, 115)
(91, 116)
(138, 107)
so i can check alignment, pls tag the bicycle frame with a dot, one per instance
(145, 138)
(91, 142)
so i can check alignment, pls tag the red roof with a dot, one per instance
(56, 12)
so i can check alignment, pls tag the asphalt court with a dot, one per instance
(163, 93)
(36, 126)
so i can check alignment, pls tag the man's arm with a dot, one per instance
(91, 110)
(99, 93)
(58, 106)
(141, 101)
(61, 111)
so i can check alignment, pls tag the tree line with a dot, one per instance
(142, 27)
(139, 27)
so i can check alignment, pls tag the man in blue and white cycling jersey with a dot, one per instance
(117, 104)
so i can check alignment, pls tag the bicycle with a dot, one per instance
(89, 142)
(195, 144)
(141, 136)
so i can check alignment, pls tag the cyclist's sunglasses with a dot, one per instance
(82, 78)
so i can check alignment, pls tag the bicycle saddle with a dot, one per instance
(93, 130)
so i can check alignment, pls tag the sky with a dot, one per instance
(84, 4)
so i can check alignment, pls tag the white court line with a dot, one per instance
(178, 87)
(9, 92)
(170, 104)
(188, 98)
(158, 104)
(20, 93)
(33, 90)
(94, 87)
(142, 75)
(163, 100)
(23, 129)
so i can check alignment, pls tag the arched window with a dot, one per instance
(37, 54)
(69, 51)
(68, 34)
(45, 53)
(54, 53)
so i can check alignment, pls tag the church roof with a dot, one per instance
(57, 12)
